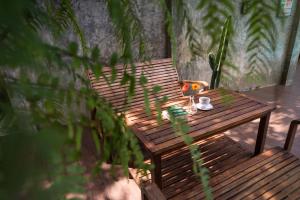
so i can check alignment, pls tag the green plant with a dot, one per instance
(42, 88)
(45, 97)
(216, 63)
(261, 32)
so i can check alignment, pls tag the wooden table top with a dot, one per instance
(230, 109)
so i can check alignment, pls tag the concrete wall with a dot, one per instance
(96, 24)
(199, 69)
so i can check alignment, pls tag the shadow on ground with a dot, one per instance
(287, 100)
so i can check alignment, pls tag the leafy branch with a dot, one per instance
(261, 36)
(213, 18)
(192, 33)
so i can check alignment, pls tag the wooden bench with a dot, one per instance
(274, 174)
(158, 72)
(219, 152)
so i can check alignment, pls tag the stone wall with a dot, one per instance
(199, 69)
(95, 22)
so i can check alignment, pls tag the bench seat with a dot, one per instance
(219, 153)
(274, 174)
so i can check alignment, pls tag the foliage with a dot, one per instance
(45, 95)
(261, 32)
(192, 33)
(261, 36)
(216, 63)
(170, 28)
(181, 128)
(213, 18)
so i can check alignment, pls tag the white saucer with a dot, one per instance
(204, 106)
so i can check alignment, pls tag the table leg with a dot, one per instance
(262, 134)
(156, 172)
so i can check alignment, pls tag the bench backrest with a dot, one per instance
(158, 72)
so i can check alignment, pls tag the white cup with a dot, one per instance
(204, 100)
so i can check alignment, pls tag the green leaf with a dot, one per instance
(156, 89)
(113, 59)
(96, 141)
(95, 54)
(97, 69)
(78, 138)
(73, 48)
(143, 79)
(147, 102)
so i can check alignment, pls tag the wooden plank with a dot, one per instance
(160, 72)
(272, 188)
(253, 177)
(154, 73)
(203, 144)
(150, 125)
(215, 120)
(262, 178)
(185, 187)
(138, 65)
(184, 181)
(291, 192)
(210, 158)
(185, 156)
(218, 107)
(152, 192)
(291, 135)
(236, 173)
(203, 122)
(296, 193)
(138, 113)
(182, 99)
(156, 172)
(216, 128)
(262, 133)
(139, 70)
(164, 83)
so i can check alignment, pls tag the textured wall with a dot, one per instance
(199, 69)
(95, 22)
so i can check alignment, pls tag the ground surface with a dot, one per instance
(287, 100)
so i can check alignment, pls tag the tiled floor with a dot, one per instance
(287, 100)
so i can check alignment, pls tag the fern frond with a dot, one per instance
(63, 16)
(192, 34)
(215, 12)
(261, 35)
(170, 29)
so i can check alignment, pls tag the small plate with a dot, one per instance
(204, 107)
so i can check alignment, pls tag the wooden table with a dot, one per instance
(231, 109)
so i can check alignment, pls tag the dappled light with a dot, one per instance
(149, 100)
(287, 101)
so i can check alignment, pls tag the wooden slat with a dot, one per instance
(218, 150)
(274, 187)
(244, 183)
(159, 72)
(151, 191)
(237, 173)
(275, 175)
(219, 126)
(218, 107)
(140, 114)
(160, 138)
(203, 122)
